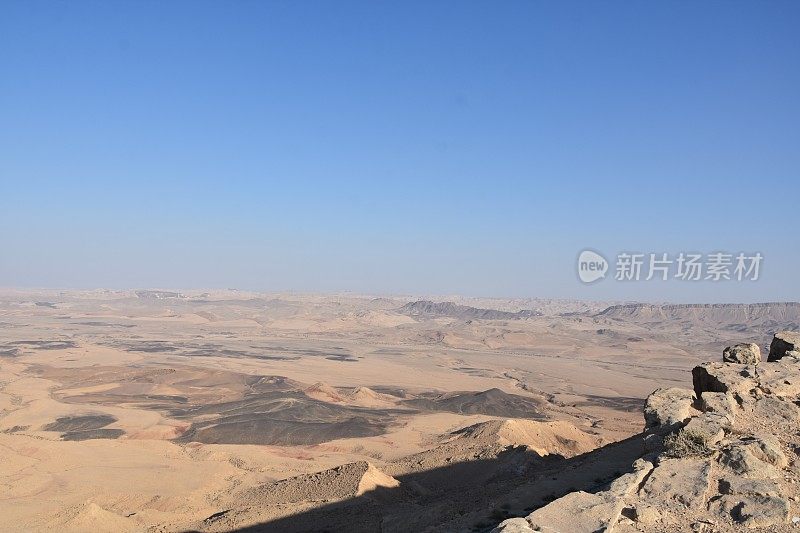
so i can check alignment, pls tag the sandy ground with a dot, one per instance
(151, 411)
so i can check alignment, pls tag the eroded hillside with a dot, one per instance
(718, 458)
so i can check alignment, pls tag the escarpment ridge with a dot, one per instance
(720, 457)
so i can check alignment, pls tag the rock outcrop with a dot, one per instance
(745, 353)
(722, 458)
(783, 343)
(666, 407)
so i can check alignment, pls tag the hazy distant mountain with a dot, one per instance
(158, 295)
(765, 316)
(464, 312)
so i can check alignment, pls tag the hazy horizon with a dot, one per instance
(442, 148)
(421, 296)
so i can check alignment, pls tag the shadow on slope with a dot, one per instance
(466, 496)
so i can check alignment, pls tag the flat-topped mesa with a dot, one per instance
(783, 315)
(426, 308)
(719, 459)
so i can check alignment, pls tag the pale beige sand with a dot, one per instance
(351, 364)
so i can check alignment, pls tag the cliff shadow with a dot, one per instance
(467, 496)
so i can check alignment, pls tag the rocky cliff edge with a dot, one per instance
(721, 457)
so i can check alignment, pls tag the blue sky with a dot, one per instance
(405, 147)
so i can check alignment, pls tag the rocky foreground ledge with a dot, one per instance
(720, 458)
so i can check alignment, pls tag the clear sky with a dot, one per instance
(397, 147)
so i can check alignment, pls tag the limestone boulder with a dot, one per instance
(721, 403)
(738, 380)
(669, 406)
(782, 342)
(754, 457)
(776, 411)
(763, 511)
(745, 354)
(628, 483)
(712, 425)
(752, 511)
(678, 484)
(781, 378)
(581, 511)
(577, 512)
(719, 412)
(737, 486)
(751, 502)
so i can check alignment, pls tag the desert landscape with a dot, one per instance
(399, 267)
(156, 410)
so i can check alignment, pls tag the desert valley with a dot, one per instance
(219, 411)
(399, 267)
